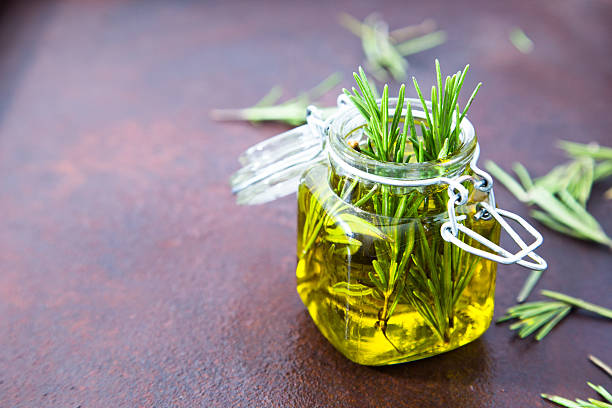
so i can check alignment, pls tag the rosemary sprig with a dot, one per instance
(439, 132)
(562, 194)
(591, 403)
(429, 274)
(602, 156)
(544, 315)
(384, 50)
(290, 111)
(385, 141)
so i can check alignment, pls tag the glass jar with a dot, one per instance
(392, 258)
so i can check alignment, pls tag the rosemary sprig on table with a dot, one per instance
(591, 403)
(290, 111)
(592, 151)
(384, 50)
(562, 194)
(544, 315)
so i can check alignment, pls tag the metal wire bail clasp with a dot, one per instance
(458, 195)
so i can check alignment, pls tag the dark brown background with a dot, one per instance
(128, 276)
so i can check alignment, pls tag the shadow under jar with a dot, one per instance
(378, 279)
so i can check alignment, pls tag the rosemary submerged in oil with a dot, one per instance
(411, 263)
(432, 289)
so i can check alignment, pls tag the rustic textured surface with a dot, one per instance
(128, 277)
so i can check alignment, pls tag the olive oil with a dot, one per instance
(441, 297)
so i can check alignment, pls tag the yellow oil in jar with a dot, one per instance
(339, 246)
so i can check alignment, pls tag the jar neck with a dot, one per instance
(349, 125)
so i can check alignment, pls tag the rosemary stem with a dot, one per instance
(602, 311)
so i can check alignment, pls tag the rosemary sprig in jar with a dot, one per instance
(439, 135)
(429, 274)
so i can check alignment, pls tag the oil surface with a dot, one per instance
(334, 280)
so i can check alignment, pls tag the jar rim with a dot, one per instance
(350, 120)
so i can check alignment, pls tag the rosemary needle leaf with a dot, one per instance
(519, 39)
(530, 283)
(560, 211)
(351, 289)
(507, 180)
(601, 390)
(551, 223)
(271, 97)
(602, 311)
(379, 46)
(602, 170)
(534, 323)
(552, 323)
(523, 176)
(606, 368)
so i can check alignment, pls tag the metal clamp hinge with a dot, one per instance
(450, 230)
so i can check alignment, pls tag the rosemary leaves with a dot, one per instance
(591, 403)
(377, 277)
(545, 315)
(385, 50)
(562, 194)
(439, 132)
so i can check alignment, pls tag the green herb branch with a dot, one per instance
(429, 274)
(291, 111)
(384, 50)
(562, 194)
(439, 132)
(543, 316)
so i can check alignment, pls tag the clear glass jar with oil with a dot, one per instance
(396, 261)
(378, 279)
